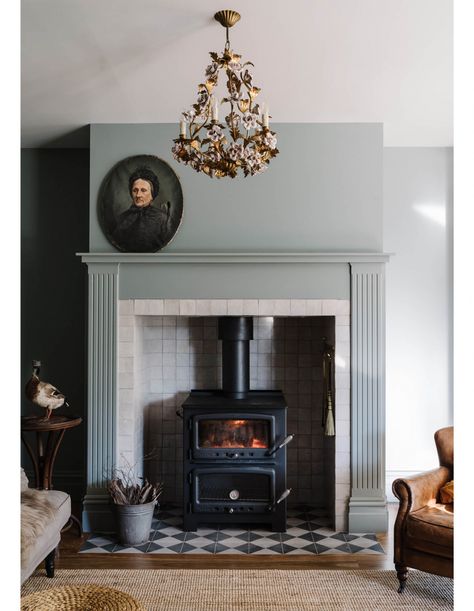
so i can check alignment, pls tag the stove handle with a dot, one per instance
(275, 448)
(281, 498)
(284, 495)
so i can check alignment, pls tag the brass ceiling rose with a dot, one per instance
(227, 18)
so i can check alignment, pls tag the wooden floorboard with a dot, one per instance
(69, 558)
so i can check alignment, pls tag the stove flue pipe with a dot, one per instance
(235, 333)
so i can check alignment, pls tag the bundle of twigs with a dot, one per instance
(127, 488)
(133, 494)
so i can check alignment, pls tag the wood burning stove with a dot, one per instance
(235, 444)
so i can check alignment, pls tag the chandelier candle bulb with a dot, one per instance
(265, 117)
(182, 129)
(215, 110)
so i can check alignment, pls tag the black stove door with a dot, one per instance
(232, 490)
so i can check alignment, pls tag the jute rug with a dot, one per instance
(262, 590)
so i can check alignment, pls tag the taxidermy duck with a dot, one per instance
(43, 394)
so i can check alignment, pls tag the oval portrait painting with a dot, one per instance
(140, 204)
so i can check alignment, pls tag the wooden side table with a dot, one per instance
(49, 434)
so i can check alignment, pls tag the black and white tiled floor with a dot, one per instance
(307, 533)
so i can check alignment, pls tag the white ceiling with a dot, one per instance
(139, 61)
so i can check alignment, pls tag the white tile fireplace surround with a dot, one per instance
(163, 356)
(150, 344)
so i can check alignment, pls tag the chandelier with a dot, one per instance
(243, 139)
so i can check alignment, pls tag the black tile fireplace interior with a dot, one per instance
(235, 443)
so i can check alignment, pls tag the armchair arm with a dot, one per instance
(416, 491)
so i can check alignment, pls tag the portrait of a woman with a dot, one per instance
(152, 216)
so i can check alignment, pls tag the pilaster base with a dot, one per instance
(97, 514)
(368, 515)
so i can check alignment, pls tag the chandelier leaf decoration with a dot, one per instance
(243, 141)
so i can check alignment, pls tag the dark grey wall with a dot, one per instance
(54, 226)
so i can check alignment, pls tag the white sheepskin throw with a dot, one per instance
(36, 512)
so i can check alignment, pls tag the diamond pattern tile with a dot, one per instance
(341, 549)
(199, 542)
(265, 552)
(189, 549)
(238, 549)
(265, 542)
(309, 548)
(233, 542)
(308, 532)
(161, 550)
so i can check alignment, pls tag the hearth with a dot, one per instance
(235, 444)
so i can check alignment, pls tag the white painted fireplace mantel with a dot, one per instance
(265, 278)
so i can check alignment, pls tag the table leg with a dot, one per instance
(34, 460)
(40, 455)
(52, 447)
(73, 521)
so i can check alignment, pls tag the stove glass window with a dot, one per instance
(230, 433)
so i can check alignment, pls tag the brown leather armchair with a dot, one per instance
(424, 527)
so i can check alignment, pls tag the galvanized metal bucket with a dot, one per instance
(134, 523)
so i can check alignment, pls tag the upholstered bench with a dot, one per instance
(43, 514)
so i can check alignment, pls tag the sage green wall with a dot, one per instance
(322, 193)
(54, 226)
(234, 281)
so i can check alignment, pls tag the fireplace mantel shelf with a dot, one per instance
(235, 257)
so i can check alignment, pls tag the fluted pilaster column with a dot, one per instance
(368, 503)
(102, 392)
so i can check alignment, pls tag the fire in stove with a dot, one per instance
(236, 434)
